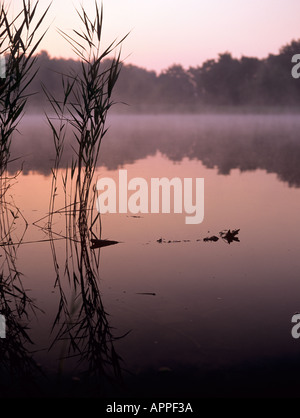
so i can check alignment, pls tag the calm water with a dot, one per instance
(205, 318)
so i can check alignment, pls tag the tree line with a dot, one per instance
(217, 83)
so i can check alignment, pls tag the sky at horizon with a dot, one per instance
(167, 32)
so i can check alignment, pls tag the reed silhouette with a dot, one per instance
(18, 43)
(18, 367)
(80, 329)
(87, 98)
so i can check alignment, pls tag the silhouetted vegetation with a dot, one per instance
(227, 235)
(80, 330)
(17, 45)
(222, 82)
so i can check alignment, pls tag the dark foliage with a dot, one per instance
(221, 82)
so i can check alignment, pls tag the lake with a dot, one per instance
(181, 313)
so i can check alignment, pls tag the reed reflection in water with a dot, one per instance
(18, 369)
(80, 337)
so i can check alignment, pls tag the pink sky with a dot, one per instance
(164, 32)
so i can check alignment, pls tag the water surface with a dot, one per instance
(205, 318)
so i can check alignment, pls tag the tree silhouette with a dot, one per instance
(222, 82)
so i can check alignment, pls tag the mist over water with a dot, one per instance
(225, 142)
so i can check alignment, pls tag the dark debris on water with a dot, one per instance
(214, 238)
(99, 243)
(147, 293)
(227, 235)
(230, 236)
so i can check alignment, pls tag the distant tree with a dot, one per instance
(248, 87)
(221, 80)
(136, 87)
(290, 49)
(176, 88)
(225, 81)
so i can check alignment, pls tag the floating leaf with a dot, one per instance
(99, 243)
(230, 236)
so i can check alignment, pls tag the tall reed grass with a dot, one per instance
(87, 98)
(19, 41)
(81, 326)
